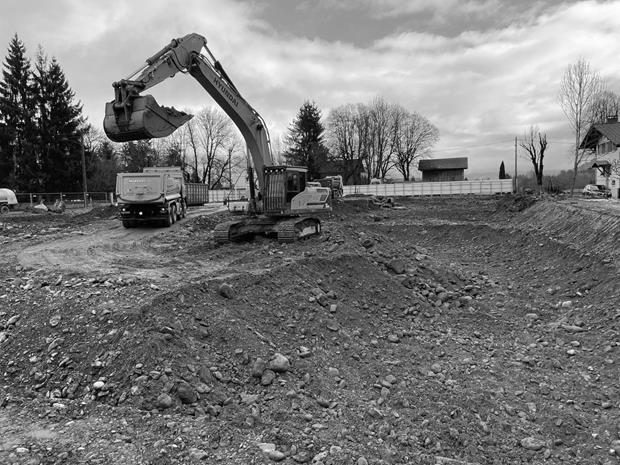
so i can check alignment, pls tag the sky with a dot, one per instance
(482, 71)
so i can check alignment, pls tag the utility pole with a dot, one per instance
(84, 186)
(515, 181)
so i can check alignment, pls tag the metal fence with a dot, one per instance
(71, 199)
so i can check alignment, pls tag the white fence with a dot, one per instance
(484, 187)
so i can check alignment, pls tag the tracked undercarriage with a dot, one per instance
(285, 229)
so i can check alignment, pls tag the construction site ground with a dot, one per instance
(424, 331)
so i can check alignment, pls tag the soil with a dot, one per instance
(425, 331)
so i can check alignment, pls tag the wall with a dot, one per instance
(613, 182)
(443, 175)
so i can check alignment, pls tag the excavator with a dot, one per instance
(285, 204)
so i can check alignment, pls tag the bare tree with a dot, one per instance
(413, 136)
(535, 144)
(191, 135)
(605, 105)
(579, 88)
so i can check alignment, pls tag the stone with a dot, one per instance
(276, 455)
(226, 290)
(333, 372)
(197, 454)
(98, 385)
(531, 443)
(391, 379)
(393, 338)
(163, 401)
(186, 393)
(258, 368)
(267, 378)
(279, 363)
(304, 352)
(13, 320)
(362, 461)
(397, 266)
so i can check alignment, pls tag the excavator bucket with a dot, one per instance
(145, 119)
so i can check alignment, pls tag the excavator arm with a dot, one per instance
(132, 116)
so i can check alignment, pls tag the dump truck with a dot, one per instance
(8, 200)
(156, 195)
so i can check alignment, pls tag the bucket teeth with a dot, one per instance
(147, 120)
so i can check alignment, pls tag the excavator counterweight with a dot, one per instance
(141, 118)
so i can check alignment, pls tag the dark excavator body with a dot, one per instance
(144, 119)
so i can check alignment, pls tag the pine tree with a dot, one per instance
(16, 116)
(59, 142)
(305, 140)
(502, 171)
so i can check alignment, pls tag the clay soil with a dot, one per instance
(430, 331)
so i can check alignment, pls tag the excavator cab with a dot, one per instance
(131, 116)
(287, 192)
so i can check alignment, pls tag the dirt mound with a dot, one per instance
(438, 331)
(516, 203)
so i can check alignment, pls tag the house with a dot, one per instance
(603, 139)
(443, 169)
(352, 171)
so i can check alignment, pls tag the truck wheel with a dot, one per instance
(183, 210)
(168, 221)
(4, 209)
(174, 214)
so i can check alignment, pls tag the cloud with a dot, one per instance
(479, 85)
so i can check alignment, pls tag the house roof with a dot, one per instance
(443, 164)
(596, 131)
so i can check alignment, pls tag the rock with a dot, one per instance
(249, 398)
(302, 457)
(226, 290)
(567, 304)
(333, 372)
(531, 443)
(333, 308)
(276, 455)
(531, 316)
(197, 454)
(362, 461)
(304, 352)
(391, 379)
(186, 393)
(323, 300)
(258, 368)
(397, 266)
(266, 447)
(3, 336)
(615, 447)
(393, 338)
(268, 377)
(98, 385)
(279, 363)
(436, 368)
(55, 320)
(13, 320)
(368, 243)
(163, 401)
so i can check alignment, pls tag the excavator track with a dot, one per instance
(221, 232)
(298, 228)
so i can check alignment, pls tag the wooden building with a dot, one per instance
(443, 169)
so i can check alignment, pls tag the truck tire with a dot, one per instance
(168, 221)
(183, 210)
(4, 209)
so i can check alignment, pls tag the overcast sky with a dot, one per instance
(482, 71)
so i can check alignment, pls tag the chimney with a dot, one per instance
(612, 118)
